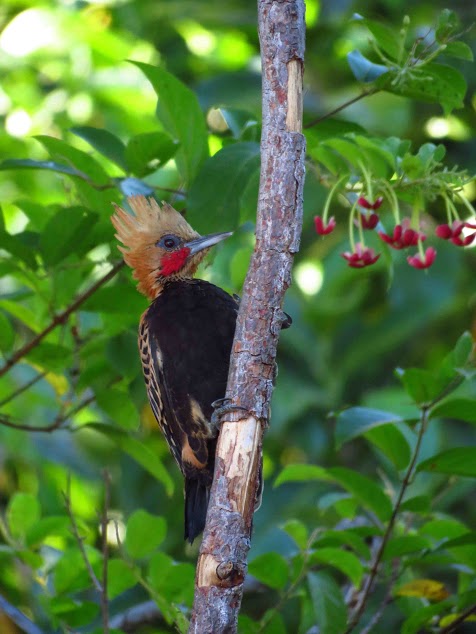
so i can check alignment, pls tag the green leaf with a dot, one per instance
(347, 538)
(447, 23)
(117, 299)
(65, 233)
(50, 356)
(119, 407)
(387, 38)
(434, 83)
(271, 569)
(146, 152)
(460, 50)
(423, 616)
(459, 408)
(144, 533)
(418, 504)
(297, 531)
(366, 491)
(120, 577)
(58, 525)
(121, 352)
(343, 560)
(70, 572)
(15, 246)
(74, 613)
(329, 608)
(300, 473)
(424, 386)
(60, 150)
(180, 114)
(355, 421)
(104, 142)
(214, 198)
(23, 511)
(330, 159)
(170, 580)
(15, 164)
(462, 354)
(330, 128)
(459, 461)
(363, 69)
(392, 442)
(275, 624)
(7, 334)
(404, 545)
(139, 451)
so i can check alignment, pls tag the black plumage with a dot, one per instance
(185, 339)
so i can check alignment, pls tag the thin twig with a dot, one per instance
(461, 618)
(135, 616)
(57, 422)
(80, 540)
(61, 318)
(15, 615)
(23, 388)
(387, 599)
(105, 552)
(364, 93)
(368, 584)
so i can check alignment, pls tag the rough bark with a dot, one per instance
(221, 566)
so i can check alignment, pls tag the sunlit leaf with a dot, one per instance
(144, 533)
(104, 142)
(214, 198)
(23, 511)
(81, 161)
(146, 152)
(179, 111)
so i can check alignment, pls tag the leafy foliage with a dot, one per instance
(370, 516)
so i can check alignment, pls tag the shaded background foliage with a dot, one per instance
(64, 66)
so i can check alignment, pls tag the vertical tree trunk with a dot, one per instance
(221, 566)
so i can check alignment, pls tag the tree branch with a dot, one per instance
(105, 552)
(368, 584)
(460, 619)
(80, 540)
(61, 318)
(343, 106)
(56, 424)
(221, 566)
(15, 615)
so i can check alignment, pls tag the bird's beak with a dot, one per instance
(206, 241)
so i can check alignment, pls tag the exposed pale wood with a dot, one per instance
(221, 566)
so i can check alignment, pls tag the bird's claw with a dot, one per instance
(220, 407)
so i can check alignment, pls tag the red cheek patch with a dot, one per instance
(173, 262)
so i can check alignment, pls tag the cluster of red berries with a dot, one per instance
(403, 236)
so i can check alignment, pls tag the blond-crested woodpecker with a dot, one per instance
(185, 339)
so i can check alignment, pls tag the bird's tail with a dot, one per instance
(197, 495)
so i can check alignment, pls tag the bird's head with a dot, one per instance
(159, 244)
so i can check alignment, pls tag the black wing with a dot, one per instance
(185, 341)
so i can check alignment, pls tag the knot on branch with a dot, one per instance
(231, 572)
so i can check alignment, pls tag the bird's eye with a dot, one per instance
(169, 242)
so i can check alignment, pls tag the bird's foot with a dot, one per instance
(223, 406)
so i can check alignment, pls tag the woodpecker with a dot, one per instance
(185, 339)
